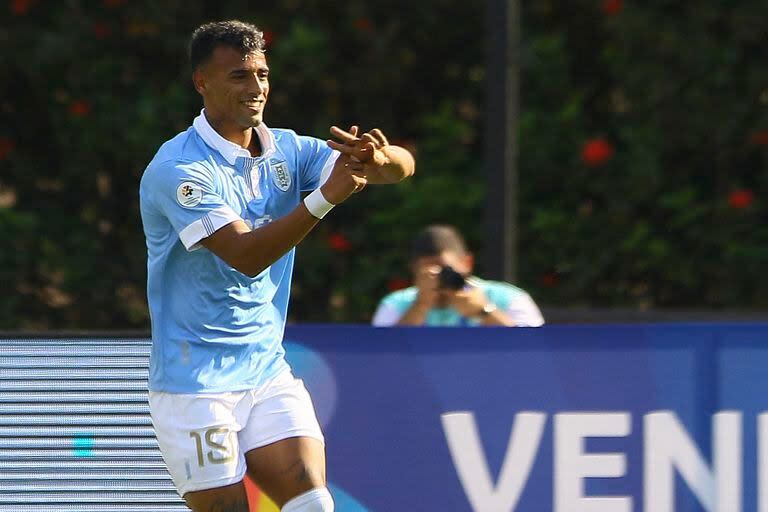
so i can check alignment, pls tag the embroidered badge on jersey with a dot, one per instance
(280, 174)
(189, 194)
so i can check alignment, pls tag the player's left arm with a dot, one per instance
(383, 163)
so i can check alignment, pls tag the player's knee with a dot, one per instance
(316, 500)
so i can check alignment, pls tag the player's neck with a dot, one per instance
(247, 139)
(254, 145)
(244, 137)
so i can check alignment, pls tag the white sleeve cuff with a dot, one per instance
(206, 226)
(328, 167)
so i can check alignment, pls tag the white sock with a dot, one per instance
(317, 500)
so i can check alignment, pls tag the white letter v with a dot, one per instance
(472, 467)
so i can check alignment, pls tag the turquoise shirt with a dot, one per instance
(513, 300)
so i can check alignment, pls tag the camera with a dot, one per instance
(449, 279)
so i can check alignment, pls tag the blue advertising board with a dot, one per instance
(655, 418)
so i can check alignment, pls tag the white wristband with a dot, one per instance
(317, 204)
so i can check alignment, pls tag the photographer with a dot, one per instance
(445, 293)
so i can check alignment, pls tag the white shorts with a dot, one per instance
(204, 437)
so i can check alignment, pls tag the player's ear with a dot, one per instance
(198, 79)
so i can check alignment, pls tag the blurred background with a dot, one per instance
(640, 148)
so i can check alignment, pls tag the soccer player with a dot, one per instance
(222, 212)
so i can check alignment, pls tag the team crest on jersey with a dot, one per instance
(280, 174)
(189, 194)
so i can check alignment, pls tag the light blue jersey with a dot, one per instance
(215, 329)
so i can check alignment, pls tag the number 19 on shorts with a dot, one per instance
(214, 446)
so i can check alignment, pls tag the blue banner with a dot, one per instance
(655, 418)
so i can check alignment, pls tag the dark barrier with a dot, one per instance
(657, 418)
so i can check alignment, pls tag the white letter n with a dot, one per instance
(668, 447)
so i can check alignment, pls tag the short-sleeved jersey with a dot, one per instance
(215, 329)
(515, 302)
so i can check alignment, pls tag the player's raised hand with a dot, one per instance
(347, 177)
(367, 148)
(383, 163)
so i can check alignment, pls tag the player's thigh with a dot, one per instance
(282, 440)
(231, 498)
(288, 468)
(198, 437)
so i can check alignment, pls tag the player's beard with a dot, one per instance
(251, 118)
(250, 121)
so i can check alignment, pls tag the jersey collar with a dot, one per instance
(229, 150)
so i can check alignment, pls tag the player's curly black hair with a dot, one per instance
(239, 35)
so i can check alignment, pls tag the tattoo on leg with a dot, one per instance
(300, 471)
(227, 505)
(303, 475)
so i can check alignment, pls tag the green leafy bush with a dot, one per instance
(643, 137)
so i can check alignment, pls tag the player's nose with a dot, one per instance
(256, 86)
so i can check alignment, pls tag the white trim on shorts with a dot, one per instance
(204, 437)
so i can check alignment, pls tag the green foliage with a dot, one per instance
(664, 210)
(677, 89)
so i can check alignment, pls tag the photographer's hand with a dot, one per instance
(471, 302)
(427, 297)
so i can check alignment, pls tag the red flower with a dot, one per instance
(612, 7)
(6, 146)
(596, 152)
(397, 283)
(79, 108)
(339, 242)
(269, 37)
(550, 279)
(101, 30)
(364, 25)
(760, 138)
(741, 198)
(20, 6)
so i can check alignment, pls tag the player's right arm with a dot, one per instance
(251, 251)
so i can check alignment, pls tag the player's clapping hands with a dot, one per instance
(367, 148)
(383, 163)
